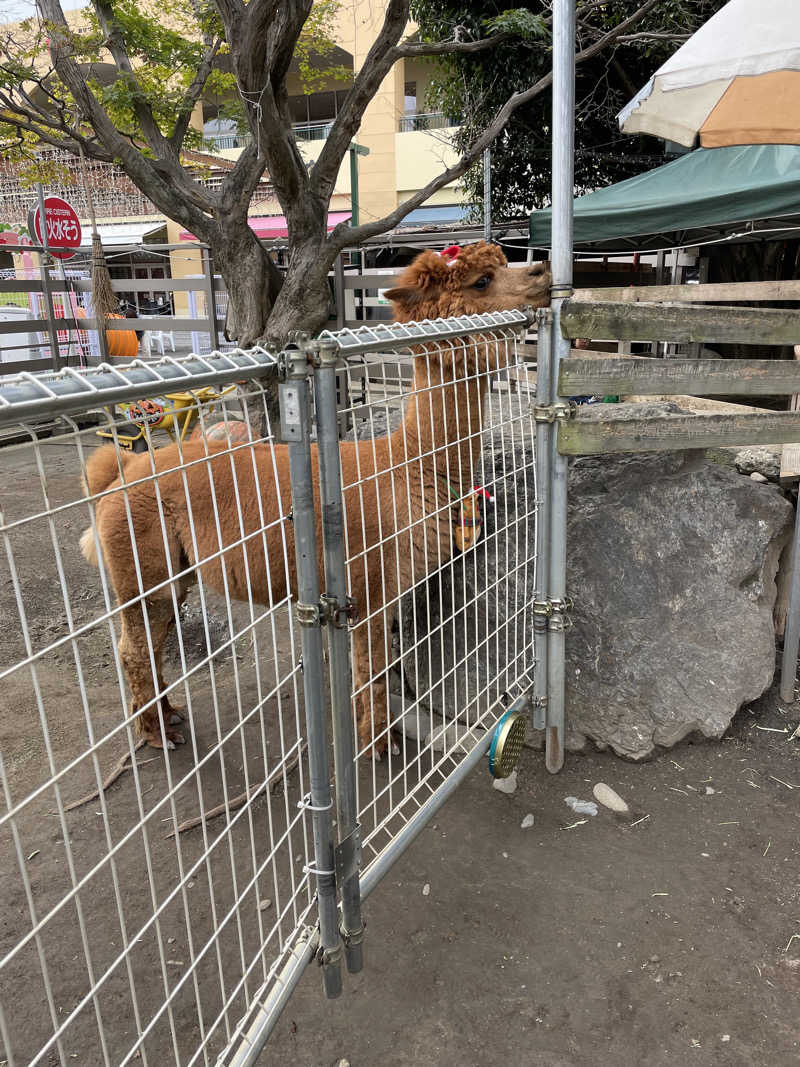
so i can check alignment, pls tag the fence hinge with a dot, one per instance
(341, 615)
(347, 856)
(553, 412)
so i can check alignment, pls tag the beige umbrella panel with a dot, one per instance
(735, 82)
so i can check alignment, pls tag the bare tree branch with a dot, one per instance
(193, 94)
(445, 48)
(343, 235)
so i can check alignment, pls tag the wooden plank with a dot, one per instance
(790, 454)
(370, 281)
(582, 436)
(16, 366)
(712, 377)
(664, 322)
(709, 292)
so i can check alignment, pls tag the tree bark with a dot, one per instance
(304, 301)
(251, 278)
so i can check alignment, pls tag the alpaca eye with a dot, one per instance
(483, 283)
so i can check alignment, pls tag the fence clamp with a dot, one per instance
(545, 610)
(341, 615)
(347, 856)
(553, 412)
(307, 614)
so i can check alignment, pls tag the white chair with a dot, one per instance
(156, 337)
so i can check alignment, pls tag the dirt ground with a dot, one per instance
(668, 936)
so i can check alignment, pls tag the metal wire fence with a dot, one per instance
(165, 871)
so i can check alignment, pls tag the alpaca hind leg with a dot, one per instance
(133, 649)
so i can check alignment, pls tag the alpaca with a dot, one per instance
(397, 498)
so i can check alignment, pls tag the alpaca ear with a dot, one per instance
(407, 297)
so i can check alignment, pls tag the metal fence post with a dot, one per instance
(563, 144)
(296, 431)
(544, 429)
(791, 637)
(348, 853)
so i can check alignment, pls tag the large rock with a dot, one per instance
(671, 562)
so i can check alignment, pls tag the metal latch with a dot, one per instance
(341, 615)
(553, 412)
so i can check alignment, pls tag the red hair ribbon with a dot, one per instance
(451, 253)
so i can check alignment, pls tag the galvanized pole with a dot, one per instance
(44, 262)
(563, 181)
(791, 637)
(544, 429)
(487, 194)
(348, 852)
(296, 431)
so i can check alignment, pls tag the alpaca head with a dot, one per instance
(466, 281)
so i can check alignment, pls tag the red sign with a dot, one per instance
(63, 227)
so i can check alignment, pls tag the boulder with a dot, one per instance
(760, 460)
(671, 563)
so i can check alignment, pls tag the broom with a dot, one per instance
(104, 301)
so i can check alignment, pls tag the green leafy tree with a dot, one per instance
(474, 85)
(165, 58)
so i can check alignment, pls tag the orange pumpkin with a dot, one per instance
(123, 343)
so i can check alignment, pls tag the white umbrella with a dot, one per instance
(736, 81)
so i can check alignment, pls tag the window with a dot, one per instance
(321, 107)
(410, 94)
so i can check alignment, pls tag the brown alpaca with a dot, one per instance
(398, 497)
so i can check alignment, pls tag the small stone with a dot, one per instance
(190, 885)
(710, 791)
(725, 1038)
(343, 1063)
(505, 855)
(171, 940)
(506, 785)
(426, 889)
(757, 476)
(265, 904)
(606, 796)
(527, 822)
(655, 959)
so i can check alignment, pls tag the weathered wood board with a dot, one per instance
(712, 377)
(704, 293)
(581, 436)
(681, 323)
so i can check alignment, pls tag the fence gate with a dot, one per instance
(163, 899)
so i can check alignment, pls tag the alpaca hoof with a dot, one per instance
(175, 718)
(173, 738)
(395, 748)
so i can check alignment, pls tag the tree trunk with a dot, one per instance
(251, 278)
(304, 301)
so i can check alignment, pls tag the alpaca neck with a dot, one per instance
(443, 423)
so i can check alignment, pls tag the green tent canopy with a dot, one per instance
(747, 192)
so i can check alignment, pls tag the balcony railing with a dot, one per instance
(433, 120)
(312, 131)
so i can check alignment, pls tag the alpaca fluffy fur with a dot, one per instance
(397, 498)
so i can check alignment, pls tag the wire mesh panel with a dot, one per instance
(440, 507)
(154, 831)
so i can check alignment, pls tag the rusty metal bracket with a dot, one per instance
(553, 412)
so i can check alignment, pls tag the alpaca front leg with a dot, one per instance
(371, 681)
(133, 650)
